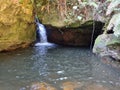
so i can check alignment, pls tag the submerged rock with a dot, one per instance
(16, 24)
(41, 86)
(107, 45)
(69, 86)
(95, 87)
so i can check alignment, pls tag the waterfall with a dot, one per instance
(41, 34)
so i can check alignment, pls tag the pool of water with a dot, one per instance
(60, 67)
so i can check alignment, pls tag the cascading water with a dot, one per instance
(41, 34)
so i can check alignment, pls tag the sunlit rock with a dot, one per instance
(41, 86)
(16, 24)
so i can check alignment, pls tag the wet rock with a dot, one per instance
(107, 45)
(72, 85)
(41, 86)
(16, 24)
(80, 36)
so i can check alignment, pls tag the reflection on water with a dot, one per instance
(67, 68)
(40, 64)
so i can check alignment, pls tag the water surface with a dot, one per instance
(56, 65)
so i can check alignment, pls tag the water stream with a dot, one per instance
(41, 35)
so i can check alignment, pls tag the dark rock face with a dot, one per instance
(69, 37)
(80, 36)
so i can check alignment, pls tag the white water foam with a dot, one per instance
(44, 44)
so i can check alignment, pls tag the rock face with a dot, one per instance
(107, 45)
(80, 36)
(16, 24)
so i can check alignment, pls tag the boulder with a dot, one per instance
(107, 45)
(17, 28)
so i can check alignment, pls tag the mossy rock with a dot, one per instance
(17, 28)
